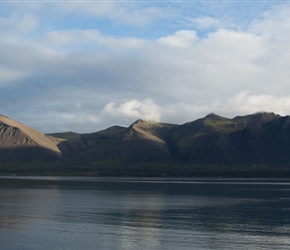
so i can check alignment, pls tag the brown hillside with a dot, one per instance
(21, 143)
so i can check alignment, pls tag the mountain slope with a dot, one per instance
(257, 139)
(142, 141)
(21, 143)
(267, 144)
(222, 141)
(260, 139)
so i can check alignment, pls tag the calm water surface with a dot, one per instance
(139, 213)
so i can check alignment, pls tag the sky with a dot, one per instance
(84, 66)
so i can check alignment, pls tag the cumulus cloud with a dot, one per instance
(125, 113)
(145, 109)
(245, 103)
(182, 112)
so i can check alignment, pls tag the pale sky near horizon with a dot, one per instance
(86, 65)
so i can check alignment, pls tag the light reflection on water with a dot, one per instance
(118, 213)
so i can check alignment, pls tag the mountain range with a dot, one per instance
(261, 139)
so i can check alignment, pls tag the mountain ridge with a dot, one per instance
(260, 139)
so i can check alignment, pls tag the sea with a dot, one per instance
(143, 213)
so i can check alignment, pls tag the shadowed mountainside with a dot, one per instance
(257, 139)
(261, 139)
(239, 141)
(141, 142)
(21, 143)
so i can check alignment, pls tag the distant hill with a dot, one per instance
(141, 142)
(261, 139)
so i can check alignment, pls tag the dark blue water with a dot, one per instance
(118, 213)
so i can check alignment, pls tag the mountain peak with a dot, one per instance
(14, 134)
(213, 116)
(256, 118)
(141, 122)
(262, 114)
(267, 114)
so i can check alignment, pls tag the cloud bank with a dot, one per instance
(148, 61)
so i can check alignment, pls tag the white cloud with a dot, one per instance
(145, 109)
(181, 38)
(182, 112)
(125, 113)
(247, 103)
(230, 45)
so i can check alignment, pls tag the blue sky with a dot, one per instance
(87, 65)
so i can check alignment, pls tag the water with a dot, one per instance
(118, 213)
